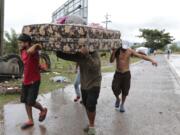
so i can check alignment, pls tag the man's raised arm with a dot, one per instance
(154, 63)
(112, 57)
(34, 48)
(67, 56)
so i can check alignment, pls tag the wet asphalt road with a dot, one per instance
(152, 107)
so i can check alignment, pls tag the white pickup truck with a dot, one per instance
(11, 66)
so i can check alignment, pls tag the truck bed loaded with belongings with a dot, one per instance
(70, 37)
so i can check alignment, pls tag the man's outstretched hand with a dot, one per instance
(154, 63)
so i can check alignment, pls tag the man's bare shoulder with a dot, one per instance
(130, 51)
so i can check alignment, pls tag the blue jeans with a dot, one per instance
(77, 83)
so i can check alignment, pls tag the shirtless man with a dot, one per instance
(122, 76)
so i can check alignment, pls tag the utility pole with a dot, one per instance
(1, 25)
(107, 20)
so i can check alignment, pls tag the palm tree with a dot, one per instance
(11, 42)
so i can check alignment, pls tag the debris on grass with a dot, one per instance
(6, 88)
(60, 79)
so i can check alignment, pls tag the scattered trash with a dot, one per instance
(6, 88)
(6, 82)
(60, 79)
(56, 73)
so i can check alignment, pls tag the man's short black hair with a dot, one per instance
(24, 38)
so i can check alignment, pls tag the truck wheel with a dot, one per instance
(13, 59)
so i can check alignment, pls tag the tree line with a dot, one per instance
(154, 39)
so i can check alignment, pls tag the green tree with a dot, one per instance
(175, 48)
(11, 42)
(136, 45)
(155, 39)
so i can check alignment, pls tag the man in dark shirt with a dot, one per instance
(90, 74)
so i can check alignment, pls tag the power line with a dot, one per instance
(107, 20)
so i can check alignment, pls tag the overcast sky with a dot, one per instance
(126, 15)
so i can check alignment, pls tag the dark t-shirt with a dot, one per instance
(90, 68)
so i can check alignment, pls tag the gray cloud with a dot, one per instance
(162, 23)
